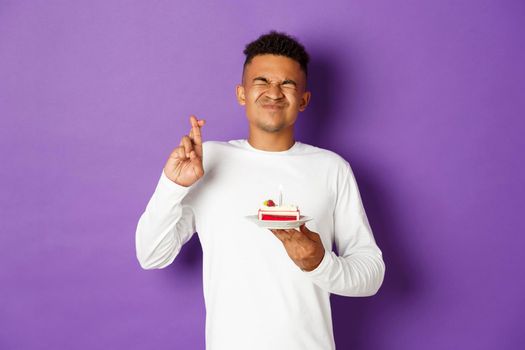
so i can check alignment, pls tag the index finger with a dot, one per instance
(195, 131)
(200, 124)
(195, 134)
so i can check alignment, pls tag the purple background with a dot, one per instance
(425, 99)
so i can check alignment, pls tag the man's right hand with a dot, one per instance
(184, 165)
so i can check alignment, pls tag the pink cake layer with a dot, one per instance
(278, 216)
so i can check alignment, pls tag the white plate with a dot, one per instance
(272, 224)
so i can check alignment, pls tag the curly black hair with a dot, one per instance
(278, 43)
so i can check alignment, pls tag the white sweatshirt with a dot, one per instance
(255, 296)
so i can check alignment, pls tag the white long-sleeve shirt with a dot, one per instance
(255, 296)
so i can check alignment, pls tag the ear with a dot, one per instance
(305, 99)
(241, 98)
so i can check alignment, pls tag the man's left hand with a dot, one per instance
(304, 247)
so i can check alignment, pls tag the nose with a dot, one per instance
(274, 91)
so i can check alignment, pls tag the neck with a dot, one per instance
(272, 142)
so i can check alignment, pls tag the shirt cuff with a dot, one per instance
(166, 187)
(322, 267)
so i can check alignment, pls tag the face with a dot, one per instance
(273, 91)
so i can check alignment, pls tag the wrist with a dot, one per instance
(314, 265)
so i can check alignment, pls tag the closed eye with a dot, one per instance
(289, 82)
(260, 81)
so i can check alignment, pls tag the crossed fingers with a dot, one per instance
(195, 131)
(191, 145)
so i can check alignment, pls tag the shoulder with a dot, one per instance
(216, 146)
(215, 151)
(327, 157)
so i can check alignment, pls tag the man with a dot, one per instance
(262, 289)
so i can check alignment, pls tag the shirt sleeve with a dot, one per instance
(166, 224)
(359, 269)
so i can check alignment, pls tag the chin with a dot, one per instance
(267, 127)
(272, 127)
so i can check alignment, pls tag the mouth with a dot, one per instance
(273, 107)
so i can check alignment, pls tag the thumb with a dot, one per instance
(307, 232)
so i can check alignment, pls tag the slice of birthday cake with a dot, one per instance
(270, 211)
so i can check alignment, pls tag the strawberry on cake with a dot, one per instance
(270, 211)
